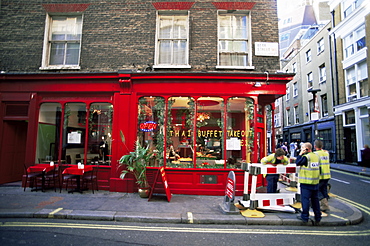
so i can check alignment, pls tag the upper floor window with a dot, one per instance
(277, 120)
(350, 5)
(324, 105)
(295, 89)
(322, 73)
(357, 81)
(308, 56)
(294, 67)
(234, 40)
(320, 46)
(172, 41)
(287, 93)
(354, 42)
(309, 80)
(62, 42)
(288, 117)
(296, 115)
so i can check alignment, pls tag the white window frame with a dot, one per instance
(309, 80)
(248, 39)
(308, 56)
(295, 89)
(296, 115)
(354, 76)
(351, 42)
(294, 67)
(322, 73)
(320, 46)
(288, 117)
(287, 93)
(45, 64)
(172, 14)
(277, 120)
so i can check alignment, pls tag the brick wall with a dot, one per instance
(118, 34)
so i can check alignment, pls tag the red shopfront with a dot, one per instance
(199, 125)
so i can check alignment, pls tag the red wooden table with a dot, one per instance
(78, 172)
(43, 169)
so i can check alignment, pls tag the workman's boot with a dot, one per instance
(324, 205)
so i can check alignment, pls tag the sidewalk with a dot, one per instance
(129, 207)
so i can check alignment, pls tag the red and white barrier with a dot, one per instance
(267, 200)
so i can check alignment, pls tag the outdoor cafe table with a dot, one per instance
(78, 172)
(43, 169)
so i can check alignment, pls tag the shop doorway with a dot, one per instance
(350, 146)
(13, 150)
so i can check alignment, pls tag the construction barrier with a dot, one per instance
(267, 200)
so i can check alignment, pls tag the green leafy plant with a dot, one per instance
(136, 163)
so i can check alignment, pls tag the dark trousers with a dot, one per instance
(272, 180)
(310, 193)
(323, 189)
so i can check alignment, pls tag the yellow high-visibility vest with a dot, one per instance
(325, 164)
(310, 174)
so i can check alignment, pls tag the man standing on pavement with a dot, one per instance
(309, 177)
(277, 158)
(324, 176)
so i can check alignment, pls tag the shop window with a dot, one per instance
(209, 132)
(234, 40)
(240, 131)
(62, 42)
(180, 131)
(172, 40)
(48, 132)
(100, 133)
(80, 124)
(151, 120)
(326, 137)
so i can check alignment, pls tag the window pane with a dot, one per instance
(180, 134)
(66, 28)
(74, 130)
(48, 132)
(57, 54)
(73, 51)
(179, 52)
(165, 27)
(100, 133)
(240, 133)
(151, 126)
(209, 133)
(179, 27)
(165, 52)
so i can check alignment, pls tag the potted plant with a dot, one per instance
(136, 163)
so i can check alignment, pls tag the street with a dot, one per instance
(351, 188)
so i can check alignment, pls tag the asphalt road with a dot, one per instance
(352, 188)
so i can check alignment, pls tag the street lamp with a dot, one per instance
(316, 113)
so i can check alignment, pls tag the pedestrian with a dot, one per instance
(365, 157)
(277, 158)
(285, 148)
(324, 176)
(292, 147)
(309, 177)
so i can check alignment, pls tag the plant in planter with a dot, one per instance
(136, 163)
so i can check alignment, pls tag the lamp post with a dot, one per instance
(314, 91)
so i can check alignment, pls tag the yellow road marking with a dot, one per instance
(51, 215)
(184, 229)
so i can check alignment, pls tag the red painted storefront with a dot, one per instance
(24, 95)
